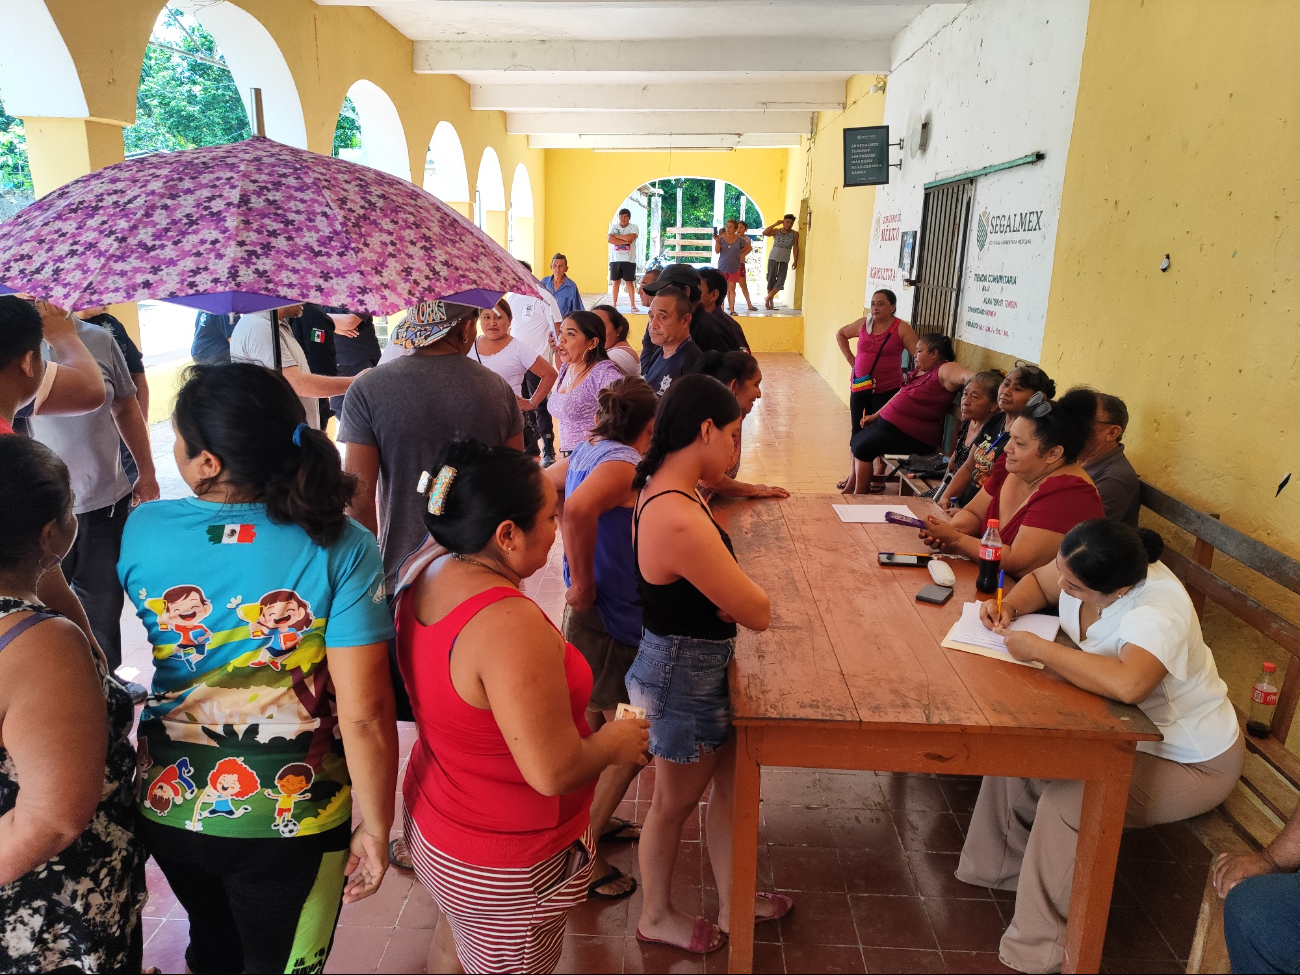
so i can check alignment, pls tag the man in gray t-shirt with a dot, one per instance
(88, 444)
(398, 416)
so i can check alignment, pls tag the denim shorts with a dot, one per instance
(681, 681)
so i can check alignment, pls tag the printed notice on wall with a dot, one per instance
(882, 271)
(1008, 267)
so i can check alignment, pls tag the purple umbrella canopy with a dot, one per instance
(249, 226)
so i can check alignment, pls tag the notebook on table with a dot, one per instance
(971, 636)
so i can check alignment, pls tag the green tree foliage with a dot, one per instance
(15, 173)
(187, 97)
(697, 203)
(347, 132)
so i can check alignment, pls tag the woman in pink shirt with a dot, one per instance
(586, 370)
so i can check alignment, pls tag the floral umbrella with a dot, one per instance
(250, 226)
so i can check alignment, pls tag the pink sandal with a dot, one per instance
(781, 906)
(706, 937)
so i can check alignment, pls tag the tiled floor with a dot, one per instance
(867, 857)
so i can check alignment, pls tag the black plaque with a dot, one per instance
(866, 155)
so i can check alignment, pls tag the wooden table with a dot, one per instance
(850, 675)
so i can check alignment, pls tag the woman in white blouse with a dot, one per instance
(510, 357)
(1142, 644)
(616, 345)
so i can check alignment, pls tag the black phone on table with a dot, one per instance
(934, 594)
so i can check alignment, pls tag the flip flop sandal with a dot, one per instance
(614, 875)
(876, 489)
(706, 937)
(781, 906)
(400, 862)
(616, 829)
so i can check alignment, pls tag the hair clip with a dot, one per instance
(298, 431)
(441, 488)
(1038, 405)
(426, 481)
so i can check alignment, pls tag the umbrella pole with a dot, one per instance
(277, 355)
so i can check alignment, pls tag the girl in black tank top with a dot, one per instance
(680, 672)
(678, 608)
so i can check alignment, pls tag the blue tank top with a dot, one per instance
(617, 600)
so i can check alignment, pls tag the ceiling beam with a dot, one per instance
(688, 54)
(806, 96)
(751, 140)
(656, 123)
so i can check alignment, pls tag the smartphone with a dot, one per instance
(895, 559)
(934, 594)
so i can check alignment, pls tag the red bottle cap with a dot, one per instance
(993, 523)
(1270, 668)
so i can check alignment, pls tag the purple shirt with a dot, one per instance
(575, 411)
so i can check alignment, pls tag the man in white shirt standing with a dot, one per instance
(251, 342)
(533, 321)
(622, 257)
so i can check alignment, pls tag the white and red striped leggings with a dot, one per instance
(503, 920)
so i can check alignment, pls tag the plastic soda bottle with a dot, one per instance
(990, 558)
(1263, 702)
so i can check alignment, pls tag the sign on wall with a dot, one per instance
(866, 155)
(1008, 266)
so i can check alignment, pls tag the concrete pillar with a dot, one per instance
(61, 149)
(494, 222)
(463, 207)
(719, 202)
(521, 244)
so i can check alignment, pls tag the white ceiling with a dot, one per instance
(673, 73)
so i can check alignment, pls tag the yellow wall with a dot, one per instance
(1184, 144)
(835, 248)
(585, 188)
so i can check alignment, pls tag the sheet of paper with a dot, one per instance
(869, 514)
(969, 634)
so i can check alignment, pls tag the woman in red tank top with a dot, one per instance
(499, 784)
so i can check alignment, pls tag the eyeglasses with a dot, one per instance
(1038, 405)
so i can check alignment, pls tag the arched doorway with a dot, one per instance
(677, 215)
(374, 130)
(521, 215)
(490, 197)
(444, 169)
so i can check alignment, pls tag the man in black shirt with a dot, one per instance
(671, 352)
(212, 337)
(356, 346)
(705, 331)
(712, 287)
(314, 330)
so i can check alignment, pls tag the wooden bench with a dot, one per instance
(1269, 788)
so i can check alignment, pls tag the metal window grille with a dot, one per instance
(945, 220)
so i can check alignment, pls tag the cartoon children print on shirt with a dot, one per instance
(174, 785)
(183, 609)
(284, 616)
(292, 783)
(228, 782)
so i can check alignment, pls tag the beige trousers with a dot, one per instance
(1024, 834)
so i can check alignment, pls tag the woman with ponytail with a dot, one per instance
(1142, 644)
(1036, 492)
(693, 595)
(265, 607)
(499, 786)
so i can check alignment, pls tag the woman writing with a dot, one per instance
(739, 372)
(1020, 384)
(912, 421)
(1037, 491)
(510, 358)
(1142, 644)
(617, 347)
(72, 883)
(264, 605)
(979, 411)
(585, 370)
(499, 784)
(693, 595)
(877, 365)
(602, 613)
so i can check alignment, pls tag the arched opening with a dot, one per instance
(16, 189)
(444, 169)
(37, 75)
(521, 215)
(490, 197)
(369, 131)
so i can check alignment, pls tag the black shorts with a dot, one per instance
(254, 905)
(866, 403)
(881, 437)
(622, 270)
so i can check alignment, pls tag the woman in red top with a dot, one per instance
(499, 784)
(1037, 490)
(912, 421)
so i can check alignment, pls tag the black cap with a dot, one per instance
(683, 276)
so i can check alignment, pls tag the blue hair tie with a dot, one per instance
(297, 433)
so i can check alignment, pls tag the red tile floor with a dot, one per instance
(867, 857)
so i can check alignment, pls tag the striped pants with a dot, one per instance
(503, 920)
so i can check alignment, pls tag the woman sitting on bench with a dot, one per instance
(1142, 644)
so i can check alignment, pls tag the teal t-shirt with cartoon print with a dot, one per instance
(239, 736)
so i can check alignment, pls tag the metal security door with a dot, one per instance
(945, 219)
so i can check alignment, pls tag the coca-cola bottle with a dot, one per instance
(990, 558)
(1263, 702)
